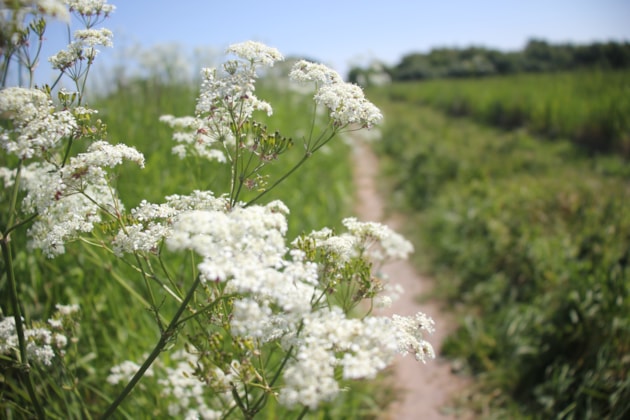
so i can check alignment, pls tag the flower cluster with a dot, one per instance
(34, 126)
(70, 199)
(283, 298)
(328, 339)
(187, 396)
(226, 101)
(90, 7)
(54, 8)
(44, 341)
(345, 101)
(410, 335)
(233, 243)
(82, 48)
(280, 293)
(152, 223)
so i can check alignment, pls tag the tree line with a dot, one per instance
(537, 56)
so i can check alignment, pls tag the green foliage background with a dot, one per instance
(591, 108)
(531, 237)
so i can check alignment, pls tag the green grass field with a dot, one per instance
(590, 108)
(529, 238)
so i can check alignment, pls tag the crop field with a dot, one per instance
(528, 236)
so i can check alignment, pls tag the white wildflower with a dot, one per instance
(191, 134)
(90, 7)
(390, 245)
(94, 37)
(154, 220)
(82, 48)
(54, 8)
(345, 101)
(328, 339)
(187, 393)
(348, 105)
(256, 52)
(35, 126)
(243, 237)
(70, 200)
(123, 372)
(305, 71)
(67, 310)
(410, 336)
(39, 340)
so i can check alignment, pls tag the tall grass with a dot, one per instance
(532, 239)
(591, 108)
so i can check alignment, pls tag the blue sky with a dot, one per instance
(341, 33)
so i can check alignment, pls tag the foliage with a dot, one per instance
(590, 108)
(181, 294)
(533, 238)
(537, 56)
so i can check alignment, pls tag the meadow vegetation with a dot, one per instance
(590, 108)
(528, 236)
(218, 273)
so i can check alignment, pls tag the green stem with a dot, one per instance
(303, 413)
(166, 336)
(19, 327)
(14, 197)
(279, 180)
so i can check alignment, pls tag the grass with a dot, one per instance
(530, 238)
(590, 108)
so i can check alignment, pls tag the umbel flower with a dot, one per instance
(282, 294)
(35, 127)
(345, 101)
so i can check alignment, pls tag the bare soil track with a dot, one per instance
(427, 389)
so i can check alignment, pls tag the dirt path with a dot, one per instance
(427, 388)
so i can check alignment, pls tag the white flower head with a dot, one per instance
(410, 335)
(232, 241)
(94, 37)
(36, 128)
(305, 71)
(54, 8)
(256, 53)
(90, 7)
(348, 105)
